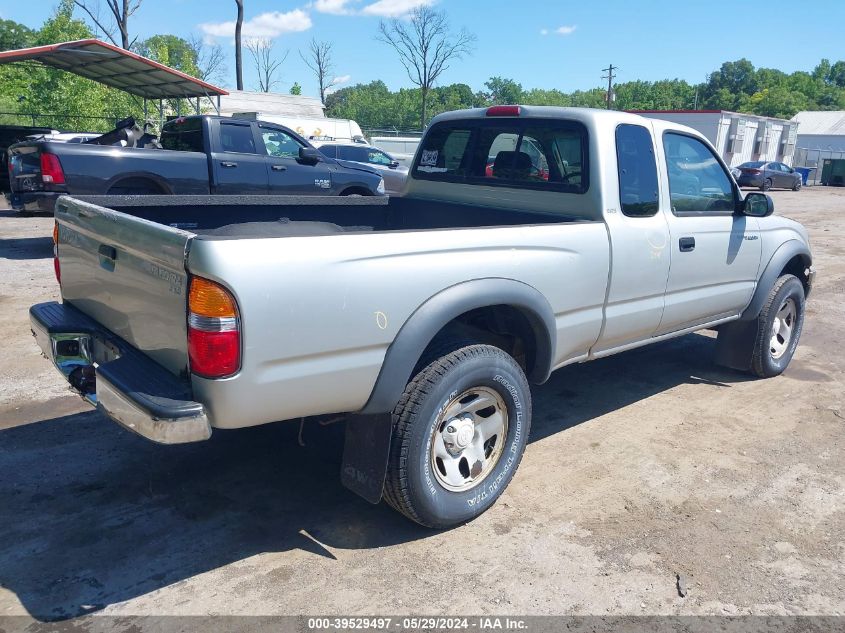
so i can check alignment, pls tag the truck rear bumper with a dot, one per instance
(34, 200)
(118, 379)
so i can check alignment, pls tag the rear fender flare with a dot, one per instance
(433, 315)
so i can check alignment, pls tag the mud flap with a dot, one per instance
(365, 452)
(735, 344)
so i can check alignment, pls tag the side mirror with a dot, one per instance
(309, 156)
(758, 205)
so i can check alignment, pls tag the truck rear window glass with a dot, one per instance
(184, 135)
(637, 171)
(531, 154)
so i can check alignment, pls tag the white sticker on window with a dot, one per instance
(429, 157)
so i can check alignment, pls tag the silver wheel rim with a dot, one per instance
(783, 328)
(468, 438)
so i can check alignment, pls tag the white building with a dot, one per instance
(821, 130)
(274, 103)
(739, 138)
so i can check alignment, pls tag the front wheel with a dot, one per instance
(779, 327)
(460, 430)
(796, 186)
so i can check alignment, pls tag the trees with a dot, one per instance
(119, 12)
(425, 46)
(296, 89)
(14, 35)
(319, 60)
(266, 66)
(239, 59)
(503, 91)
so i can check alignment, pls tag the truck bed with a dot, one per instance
(238, 217)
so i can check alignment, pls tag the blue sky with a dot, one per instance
(545, 44)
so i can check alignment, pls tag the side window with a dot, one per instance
(280, 144)
(329, 150)
(236, 138)
(443, 152)
(697, 181)
(377, 157)
(637, 171)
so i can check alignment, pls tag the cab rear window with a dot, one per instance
(531, 154)
(184, 135)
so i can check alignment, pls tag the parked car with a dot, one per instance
(422, 317)
(393, 173)
(768, 175)
(401, 148)
(199, 155)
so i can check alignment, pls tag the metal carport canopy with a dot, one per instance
(117, 68)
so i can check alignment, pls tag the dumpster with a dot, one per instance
(833, 172)
(805, 173)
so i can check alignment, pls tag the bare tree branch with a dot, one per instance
(121, 11)
(319, 60)
(267, 68)
(209, 58)
(94, 14)
(425, 47)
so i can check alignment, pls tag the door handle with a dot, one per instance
(278, 168)
(226, 163)
(687, 244)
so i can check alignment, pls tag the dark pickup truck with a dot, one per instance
(198, 155)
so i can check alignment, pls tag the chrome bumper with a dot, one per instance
(119, 380)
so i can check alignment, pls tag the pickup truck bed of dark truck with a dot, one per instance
(200, 155)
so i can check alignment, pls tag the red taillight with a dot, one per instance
(51, 170)
(214, 338)
(751, 171)
(56, 266)
(503, 110)
(214, 354)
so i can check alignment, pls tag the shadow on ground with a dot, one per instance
(93, 515)
(26, 248)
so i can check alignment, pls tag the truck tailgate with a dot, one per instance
(128, 274)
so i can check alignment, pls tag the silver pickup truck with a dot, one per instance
(527, 238)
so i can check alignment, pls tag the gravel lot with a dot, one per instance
(642, 466)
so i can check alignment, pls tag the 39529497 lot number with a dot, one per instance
(376, 623)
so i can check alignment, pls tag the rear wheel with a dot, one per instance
(767, 184)
(460, 430)
(779, 327)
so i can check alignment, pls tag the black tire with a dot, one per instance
(796, 186)
(764, 363)
(767, 184)
(411, 486)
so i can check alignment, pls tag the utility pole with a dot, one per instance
(610, 77)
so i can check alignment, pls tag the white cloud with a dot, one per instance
(544, 31)
(269, 25)
(565, 30)
(337, 83)
(394, 8)
(335, 7)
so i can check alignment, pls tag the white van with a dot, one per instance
(312, 128)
